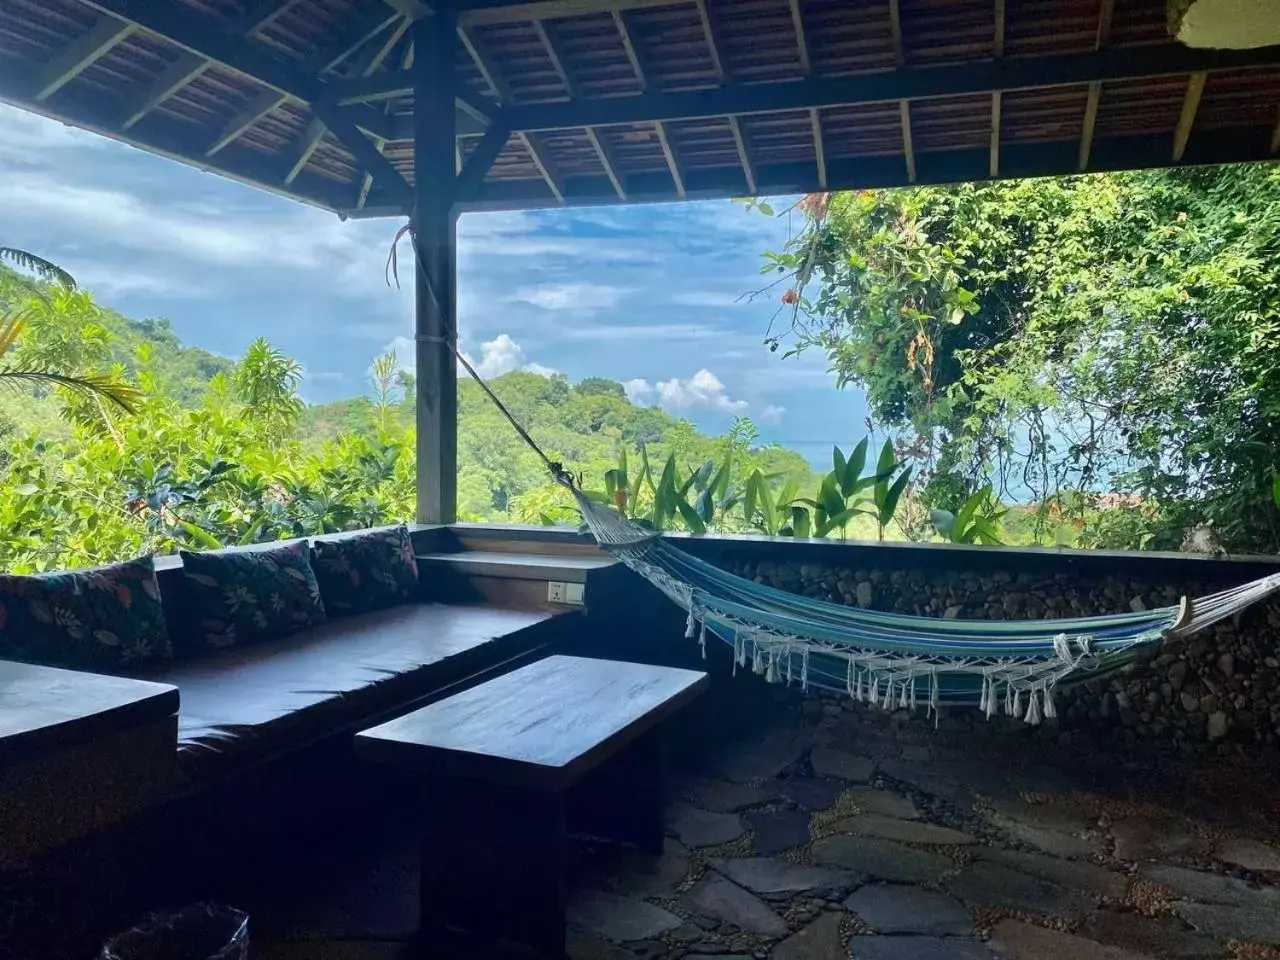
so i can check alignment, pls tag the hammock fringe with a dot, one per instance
(881, 658)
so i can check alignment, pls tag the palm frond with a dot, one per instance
(122, 394)
(11, 328)
(42, 268)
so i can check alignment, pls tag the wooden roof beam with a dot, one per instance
(476, 167)
(261, 14)
(628, 45)
(997, 50)
(819, 147)
(473, 12)
(311, 138)
(908, 148)
(173, 78)
(375, 55)
(367, 152)
(253, 111)
(744, 156)
(546, 32)
(802, 43)
(81, 53)
(1187, 117)
(479, 56)
(668, 151)
(1106, 13)
(1009, 74)
(713, 44)
(544, 169)
(367, 27)
(605, 155)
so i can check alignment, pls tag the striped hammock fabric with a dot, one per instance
(896, 660)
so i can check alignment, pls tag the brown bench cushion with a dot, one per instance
(250, 703)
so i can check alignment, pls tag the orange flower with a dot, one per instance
(790, 297)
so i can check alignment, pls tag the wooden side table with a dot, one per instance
(78, 752)
(510, 766)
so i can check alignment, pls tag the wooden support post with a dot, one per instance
(997, 98)
(1106, 13)
(435, 41)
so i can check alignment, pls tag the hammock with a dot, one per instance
(886, 659)
(897, 660)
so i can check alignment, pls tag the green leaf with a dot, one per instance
(1275, 490)
(26, 489)
(690, 516)
(856, 463)
(765, 208)
(800, 525)
(840, 463)
(944, 521)
(751, 497)
(889, 506)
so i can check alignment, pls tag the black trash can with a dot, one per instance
(204, 931)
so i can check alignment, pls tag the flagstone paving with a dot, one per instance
(887, 847)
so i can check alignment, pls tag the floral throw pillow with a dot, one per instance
(102, 620)
(241, 596)
(367, 571)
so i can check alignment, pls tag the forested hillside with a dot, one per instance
(221, 451)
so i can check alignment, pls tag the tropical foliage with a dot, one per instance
(1102, 347)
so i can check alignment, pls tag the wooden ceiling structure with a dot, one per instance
(597, 101)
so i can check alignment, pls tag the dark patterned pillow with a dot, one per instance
(241, 596)
(367, 571)
(103, 620)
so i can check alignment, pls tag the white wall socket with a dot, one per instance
(561, 592)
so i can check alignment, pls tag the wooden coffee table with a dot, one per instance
(510, 766)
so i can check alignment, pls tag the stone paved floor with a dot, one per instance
(854, 835)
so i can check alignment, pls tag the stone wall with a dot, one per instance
(1216, 691)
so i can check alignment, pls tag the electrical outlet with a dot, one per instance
(555, 591)
(573, 592)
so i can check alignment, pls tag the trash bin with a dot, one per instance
(204, 931)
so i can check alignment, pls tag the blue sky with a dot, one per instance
(644, 294)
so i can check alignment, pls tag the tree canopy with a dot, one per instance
(1062, 339)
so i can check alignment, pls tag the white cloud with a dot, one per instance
(772, 413)
(645, 332)
(497, 356)
(576, 295)
(702, 391)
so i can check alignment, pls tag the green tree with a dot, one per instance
(1062, 339)
(266, 382)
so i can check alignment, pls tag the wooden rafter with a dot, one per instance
(546, 32)
(253, 111)
(628, 45)
(713, 43)
(908, 149)
(1187, 117)
(605, 155)
(365, 28)
(307, 145)
(744, 156)
(819, 146)
(173, 78)
(82, 53)
(261, 14)
(895, 33)
(544, 168)
(477, 165)
(488, 11)
(997, 98)
(668, 151)
(480, 57)
(802, 42)
(367, 152)
(1012, 73)
(1106, 13)
(375, 55)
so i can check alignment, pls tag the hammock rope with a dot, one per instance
(895, 661)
